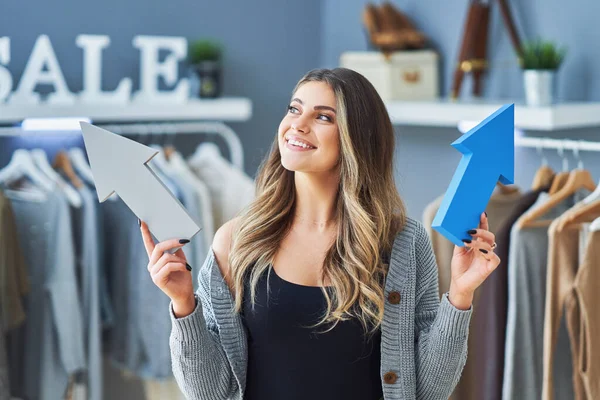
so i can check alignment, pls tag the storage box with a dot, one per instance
(406, 75)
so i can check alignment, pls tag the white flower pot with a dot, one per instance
(539, 87)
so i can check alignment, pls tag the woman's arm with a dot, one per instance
(441, 330)
(199, 362)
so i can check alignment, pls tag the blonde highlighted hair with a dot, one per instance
(369, 209)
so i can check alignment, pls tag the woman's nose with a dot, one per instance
(300, 126)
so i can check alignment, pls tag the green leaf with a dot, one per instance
(540, 54)
(204, 50)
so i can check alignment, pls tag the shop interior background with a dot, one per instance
(269, 45)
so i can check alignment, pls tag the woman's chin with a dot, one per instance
(292, 166)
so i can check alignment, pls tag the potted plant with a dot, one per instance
(540, 61)
(205, 58)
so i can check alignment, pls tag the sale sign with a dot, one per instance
(43, 67)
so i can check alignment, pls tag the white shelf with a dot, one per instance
(447, 113)
(225, 109)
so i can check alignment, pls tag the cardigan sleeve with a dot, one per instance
(199, 362)
(441, 330)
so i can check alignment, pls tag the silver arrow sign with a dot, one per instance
(121, 165)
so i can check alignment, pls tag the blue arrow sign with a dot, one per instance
(488, 156)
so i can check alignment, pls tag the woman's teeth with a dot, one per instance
(300, 144)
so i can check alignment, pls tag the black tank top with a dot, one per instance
(287, 360)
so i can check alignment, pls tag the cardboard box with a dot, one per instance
(406, 75)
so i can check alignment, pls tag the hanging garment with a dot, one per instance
(204, 202)
(86, 253)
(563, 262)
(121, 234)
(138, 339)
(53, 330)
(489, 330)
(230, 189)
(4, 381)
(14, 283)
(527, 269)
(499, 206)
(583, 318)
(106, 307)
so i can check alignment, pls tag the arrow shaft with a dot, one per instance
(151, 194)
(472, 172)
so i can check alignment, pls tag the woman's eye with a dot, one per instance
(290, 108)
(326, 116)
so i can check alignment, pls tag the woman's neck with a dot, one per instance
(316, 196)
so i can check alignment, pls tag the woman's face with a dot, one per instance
(308, 134)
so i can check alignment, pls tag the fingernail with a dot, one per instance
(183, 241)
(188, 267)
(139, 222)
(483, 251)
(467, 240)
(485, 214)
(472, 231)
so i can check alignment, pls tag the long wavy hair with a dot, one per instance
(369, 211)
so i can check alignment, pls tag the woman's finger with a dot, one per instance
(491, 265)
(483, 222)
(147, 237)
(169, 268)
(162, 247)
(480, 246)
(162, 261)
(483, 235)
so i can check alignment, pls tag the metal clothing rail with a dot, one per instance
(175, 128)
(155, 128)
(558, 144)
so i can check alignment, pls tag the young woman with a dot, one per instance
(322, 288)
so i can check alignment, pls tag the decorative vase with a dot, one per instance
(209, 74)
(539, 87)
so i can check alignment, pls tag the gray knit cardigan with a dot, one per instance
(423, 344)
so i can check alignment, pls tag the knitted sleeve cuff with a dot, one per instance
(190, 327)
(454, 320)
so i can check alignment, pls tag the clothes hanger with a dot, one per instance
(561, 178)
(80, 165)
(41, 160)
(21, 164)
(206, 151)
(586, 213)
(592, 197)
(168, 141)
(544, 176)
(578, 179)
(595, 225)
(62, 162)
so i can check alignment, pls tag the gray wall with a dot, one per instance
(269, 46)
(425, 160)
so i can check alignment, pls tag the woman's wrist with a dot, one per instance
(460, 300)
(184, 308)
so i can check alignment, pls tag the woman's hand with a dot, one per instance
(170, 272)
(472, 264)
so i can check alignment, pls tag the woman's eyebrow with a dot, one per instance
(316, 107)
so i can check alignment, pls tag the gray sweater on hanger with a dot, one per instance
(423, 345)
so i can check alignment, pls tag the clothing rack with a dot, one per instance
(558, 144)
(154, 128)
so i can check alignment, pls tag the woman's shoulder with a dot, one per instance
(412, 233)
(221, 246)
(412, 254)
